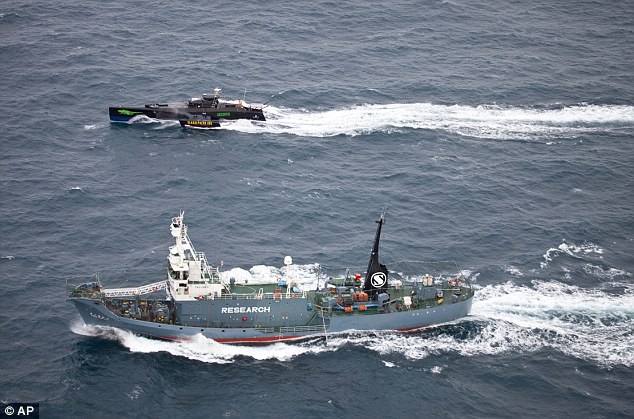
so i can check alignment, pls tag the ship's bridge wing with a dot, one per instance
(177, 263)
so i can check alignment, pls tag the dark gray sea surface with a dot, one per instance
(500, 135)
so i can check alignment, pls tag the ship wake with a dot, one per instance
(545, 123)
(590, 324)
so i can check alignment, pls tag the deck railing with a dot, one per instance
(292, 329)
(263, 296)
(131, 291)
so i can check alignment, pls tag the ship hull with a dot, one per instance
(95, 313)
(186, 115)
(198, 302)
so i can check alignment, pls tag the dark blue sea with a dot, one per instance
(500, 135)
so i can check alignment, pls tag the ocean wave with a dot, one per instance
(572, 250)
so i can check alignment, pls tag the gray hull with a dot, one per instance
(198, 302)
(93, 312)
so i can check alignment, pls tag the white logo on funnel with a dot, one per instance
(378, 279)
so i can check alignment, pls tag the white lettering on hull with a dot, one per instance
(98, 316)
(239, 310)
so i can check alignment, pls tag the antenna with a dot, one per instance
(244, 97)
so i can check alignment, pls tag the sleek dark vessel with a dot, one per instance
(205, 112)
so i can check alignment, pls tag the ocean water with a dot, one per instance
(500, 135)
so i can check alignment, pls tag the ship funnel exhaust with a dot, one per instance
(376, 275)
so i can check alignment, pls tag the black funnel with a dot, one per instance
(376, 275)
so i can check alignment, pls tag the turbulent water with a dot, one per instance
(500, 135)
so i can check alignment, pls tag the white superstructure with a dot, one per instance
(189, 276)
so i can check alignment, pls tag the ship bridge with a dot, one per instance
(189, 275)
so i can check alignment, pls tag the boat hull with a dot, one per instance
(95, 313)
(186, 115)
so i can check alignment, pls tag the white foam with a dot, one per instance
(484, 121)
(80, 328)
(160, 123)
(143, 119)
(200, 348)
(136, 391)
(570, 249)
(436, 369)
(513, 270)
(167, 124)
(585, 323)
(600, 272)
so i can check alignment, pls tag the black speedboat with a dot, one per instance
(206, 112)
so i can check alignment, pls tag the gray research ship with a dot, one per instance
(194, 299)
(207, 111)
